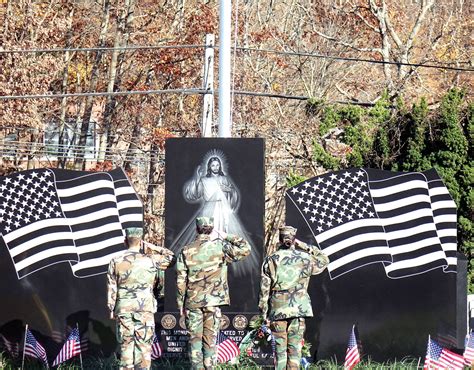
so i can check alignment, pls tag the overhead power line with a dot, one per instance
(173, 91)
(350, 59)
(105, 93)
(297, 97)
(249, 49)
(104, 48)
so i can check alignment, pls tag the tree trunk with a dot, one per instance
(118, 56)
(136, 133)
(380, 12)
(31, 149)
(80, 163)
(5, 11)
(154, 162)
(62, 118)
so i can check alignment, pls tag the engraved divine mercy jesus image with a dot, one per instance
(212, 188)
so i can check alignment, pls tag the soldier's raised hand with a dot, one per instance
(217, 234)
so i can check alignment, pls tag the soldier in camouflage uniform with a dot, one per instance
(130, 281)
(284, 300)
(202, 287)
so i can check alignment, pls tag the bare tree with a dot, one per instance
(122, 34)
(64, 88)
(384, 40)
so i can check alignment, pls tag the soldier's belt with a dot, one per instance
(291, 290)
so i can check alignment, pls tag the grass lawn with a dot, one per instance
(244, 363)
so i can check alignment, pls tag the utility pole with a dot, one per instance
(208, 82)
(225, 18)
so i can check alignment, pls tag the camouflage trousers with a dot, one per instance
(203, 326)
(288, 335)
(135, 335)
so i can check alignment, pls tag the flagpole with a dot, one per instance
(80, 348)
(216, 342)
(428, 354)
(24, 345)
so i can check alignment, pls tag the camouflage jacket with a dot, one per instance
(202, 270)
(285, 279)
(131, 278)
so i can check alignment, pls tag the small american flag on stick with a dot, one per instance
(438, 357)
(227, 349)
(156, 350)
(33, 348)
(352, 352)
(71, 348)
(469, 350)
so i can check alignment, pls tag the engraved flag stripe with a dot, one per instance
(445, 217)
(129, 205)
(92, 221)
(391, 196)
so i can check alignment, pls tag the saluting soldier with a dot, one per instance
(284, 299)
(203, 287)
(130, 281)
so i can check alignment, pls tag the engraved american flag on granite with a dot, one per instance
(363, 216)
(48, 216)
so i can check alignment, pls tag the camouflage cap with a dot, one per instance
(287, 230)
(134, 232)
(204, 221)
